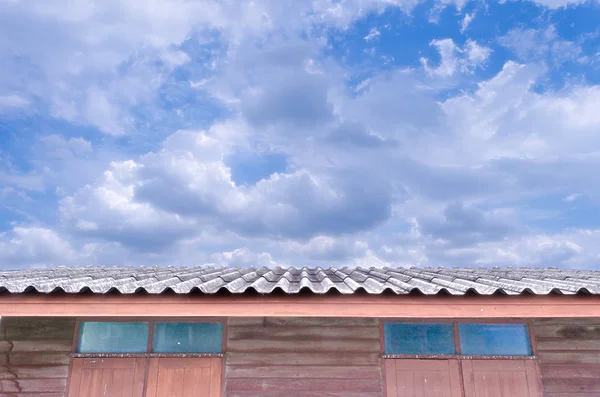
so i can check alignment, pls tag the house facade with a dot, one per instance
(241, 332)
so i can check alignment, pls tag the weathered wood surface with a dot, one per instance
(569, 352)
(303, 357)
(34, 356)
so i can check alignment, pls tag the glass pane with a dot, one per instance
(187, 338)
(419, 338)
(494, 339)
(117, 337)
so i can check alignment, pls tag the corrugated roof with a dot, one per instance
(237, 280)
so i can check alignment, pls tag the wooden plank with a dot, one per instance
(29, 333)
(54, 371)
(303, 371)
(577, 385)
(36, 345)
(568, 344)
(298, 393)
(33, 385)
(292, 385)
(320, 346)
(35, 394)
(371, 306)
(179, 377)
(567, 331)
(570, 371)
(327, 322)
(302, 332)
(286, 358)
(39, 358)
(420, 378)
(567, 321)
(501, 378)
(568, 357)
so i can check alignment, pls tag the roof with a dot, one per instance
(237, 280)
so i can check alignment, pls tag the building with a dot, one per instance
(242, 332)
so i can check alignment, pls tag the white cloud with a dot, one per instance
(466, 21)
(373, 34)
(455, 59)
(540, 44)
(34, 246)
(12, 101)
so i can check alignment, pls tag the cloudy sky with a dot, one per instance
(305, 132)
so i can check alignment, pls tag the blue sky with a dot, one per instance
(317, 132)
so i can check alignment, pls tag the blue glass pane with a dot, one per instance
(419, 338)
(117, 337)
(494, 339)
(187, 338)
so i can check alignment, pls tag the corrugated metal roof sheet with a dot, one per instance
(237, 280)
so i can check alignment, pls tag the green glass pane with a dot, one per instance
(494, 339)
(419, 338)
(187, 338)
(113, 337)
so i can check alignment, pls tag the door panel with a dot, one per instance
(422, 378)
(102, 377)
(501, 378)
(184, 377)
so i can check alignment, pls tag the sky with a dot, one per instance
(303, 133)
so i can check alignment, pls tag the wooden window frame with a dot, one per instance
(151, 324)
(458, 356)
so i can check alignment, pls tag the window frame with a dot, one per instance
(459, 356)
(151, 324)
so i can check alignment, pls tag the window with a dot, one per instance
(188, 337)
(132, 337)
(473, 339)
(419, 338)
(494, 339)
(117, 337)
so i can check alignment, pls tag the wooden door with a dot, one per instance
(501, 378)
(184, 377)
(107, 377)
(422, 378)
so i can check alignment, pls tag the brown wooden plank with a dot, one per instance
(567, 331)
(568, 344)
(567, 321)
(33, 385)
(501, 378)
(283, 358)
(420, 378)
(572, 385)
(573, 371)
(36, 345)
(40, 358)
(569, 357)
(569, 394)
(33, 333)
(53, 371)
(298, 393)
(278, 345)
(303, 371)
(302, 332)
(327, 322)
(34, 394)
(293, 385)
(182, 377)
(371, 306)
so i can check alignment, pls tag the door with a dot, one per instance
(101, 377)
(422, 378)
(501, 378)
(184, 377)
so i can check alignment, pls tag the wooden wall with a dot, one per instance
(569, 352)
(34, 356)
(309, 357)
